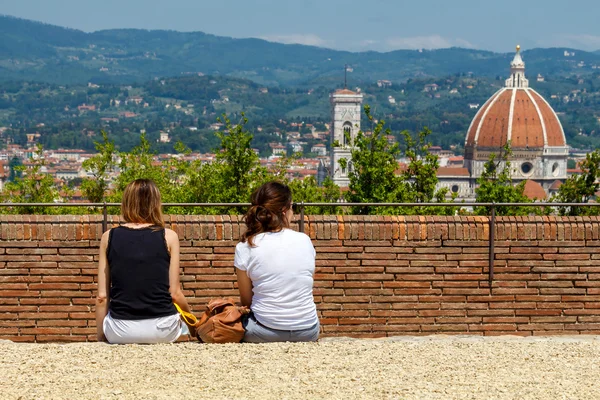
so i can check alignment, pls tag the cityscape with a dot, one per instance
(548, 145)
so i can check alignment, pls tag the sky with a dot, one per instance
(380, 25)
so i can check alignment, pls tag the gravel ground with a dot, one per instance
(434, 367)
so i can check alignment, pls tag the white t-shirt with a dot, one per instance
(281, 268)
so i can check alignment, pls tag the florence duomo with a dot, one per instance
(518, 115)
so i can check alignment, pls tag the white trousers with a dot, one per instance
(144, 331)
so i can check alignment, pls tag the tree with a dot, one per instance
(308, 191)
(32, 185)
(496, 186)
(139, 164)
(372, 173)
(581, 188)
(237, 163)
(100, 165)
(421, 176)
(374, 178)
(14, 163)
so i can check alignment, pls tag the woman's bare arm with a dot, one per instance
(174, 271)
(245, 287)
(103, 288)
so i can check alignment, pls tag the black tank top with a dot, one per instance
(139, 260)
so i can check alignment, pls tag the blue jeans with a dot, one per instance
(258, 333)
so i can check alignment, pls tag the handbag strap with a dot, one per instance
(187, 317)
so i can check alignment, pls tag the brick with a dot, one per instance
(53, 286)
(19, 293)
(357, 284)
(347, 299)
(359, 270)
(386, 249)
(369, 277)
(347, 313)
(540, 327)
(393, 299)
(455, 284)
(44, 315)
(439, 313)
(537, 312)
(566, 257)
(60, 338)
(493, 327)
(60, 322)
(445, 328)
(419, 291)
(361, 321)
(46, 301)
(505, 320)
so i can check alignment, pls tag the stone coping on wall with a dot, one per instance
(318, 227)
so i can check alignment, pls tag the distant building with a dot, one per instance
(84, 107)
(32, 137)
(384, 83)
(128, 114)
(135, 99)
(278, 150)
(164, 137)
(319, 149)
(69, 155)
(296, 147)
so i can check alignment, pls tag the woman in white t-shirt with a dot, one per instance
(275, 267)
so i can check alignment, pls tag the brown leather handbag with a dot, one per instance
(220, 323)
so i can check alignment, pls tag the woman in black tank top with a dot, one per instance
(138, 273)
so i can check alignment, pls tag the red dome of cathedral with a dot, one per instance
(518, 114)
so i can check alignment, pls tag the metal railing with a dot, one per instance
(302, 208)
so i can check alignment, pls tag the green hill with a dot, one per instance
(40, 52)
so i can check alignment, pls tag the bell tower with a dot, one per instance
(345, 118)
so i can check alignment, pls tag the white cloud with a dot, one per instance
(583, 42)
(306, 39)
(425, 42)
(367, 43)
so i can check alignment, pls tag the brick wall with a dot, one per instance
(376, 276)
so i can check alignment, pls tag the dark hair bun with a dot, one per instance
(269, 203)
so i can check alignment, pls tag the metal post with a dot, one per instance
(301, 224)
(492, 227)
(104, 218)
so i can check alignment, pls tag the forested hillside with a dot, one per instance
(34, 51)
(186, 107)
